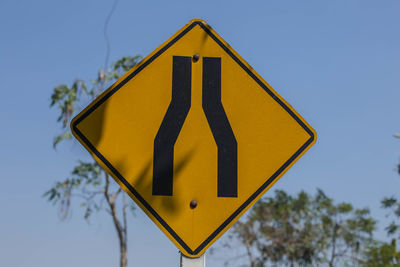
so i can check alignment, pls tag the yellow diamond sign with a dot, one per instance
(194, 135)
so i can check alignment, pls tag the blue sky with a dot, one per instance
(336, 62)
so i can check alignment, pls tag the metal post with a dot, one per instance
(193, 262)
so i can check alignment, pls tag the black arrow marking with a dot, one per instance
(163, 161)
(220, 127)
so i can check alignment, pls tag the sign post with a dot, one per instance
(194, 135)
(193, 262)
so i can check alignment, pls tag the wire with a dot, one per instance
(106, 35)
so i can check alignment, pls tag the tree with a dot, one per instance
(88, 181)
(304, 230)
(393, 205)
(344, 233)
(383, 254)
(386, 254)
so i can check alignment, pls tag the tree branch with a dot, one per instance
(111, 204)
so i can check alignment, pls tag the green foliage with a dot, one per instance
(383, 255)
(65, 98)
(87, 181)
(69, 98)
(304, 230)
(63, 136)
(393, 205)
(124, 64)
(118, 68)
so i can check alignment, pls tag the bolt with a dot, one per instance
(193, 204)
(196, 57)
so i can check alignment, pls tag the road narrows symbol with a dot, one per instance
(173, 121)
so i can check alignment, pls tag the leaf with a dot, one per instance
(64, 136)
(388, 202)
(52, 195)
(59, 93)
(345, 207)
(392, 228)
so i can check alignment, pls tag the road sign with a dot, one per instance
(194, 135)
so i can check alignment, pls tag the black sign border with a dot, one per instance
(136, 194)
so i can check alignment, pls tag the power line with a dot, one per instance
(106, 35)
